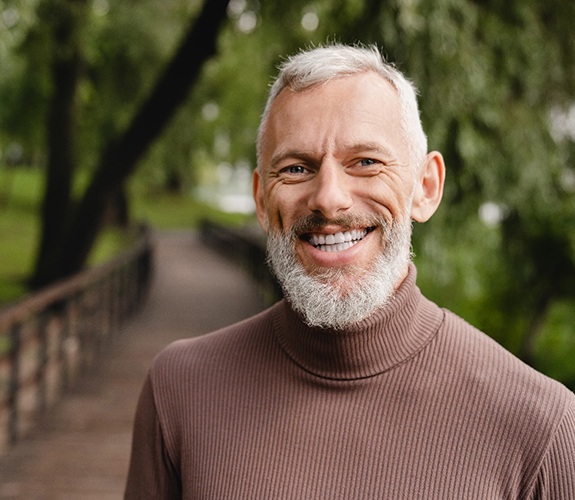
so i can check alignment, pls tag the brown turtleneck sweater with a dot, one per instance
(414, 403)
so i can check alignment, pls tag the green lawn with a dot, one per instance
(20, 192)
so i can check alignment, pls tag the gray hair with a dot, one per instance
(317, 66)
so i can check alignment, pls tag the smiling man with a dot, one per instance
(338, 183)
(355, 386)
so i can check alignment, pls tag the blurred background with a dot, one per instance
(114, 112)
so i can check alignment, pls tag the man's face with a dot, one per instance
(335, 164)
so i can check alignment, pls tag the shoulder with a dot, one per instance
(190, 372)
(485, 361)
(529, 417)
(211, 354)
(514, 391)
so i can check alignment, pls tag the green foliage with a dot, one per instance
(128, 43)
(22, 92)
(124, 45)
(557, 343)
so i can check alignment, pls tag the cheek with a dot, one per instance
(283, 209)
(392, 197)
(276, 215)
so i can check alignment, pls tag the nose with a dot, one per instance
(330, 191)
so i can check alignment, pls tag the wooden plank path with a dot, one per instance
(80, 450)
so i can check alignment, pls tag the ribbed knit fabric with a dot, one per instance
(412, 404)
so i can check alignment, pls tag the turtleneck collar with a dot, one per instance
(386, 339)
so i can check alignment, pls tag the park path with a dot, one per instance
(80, 450)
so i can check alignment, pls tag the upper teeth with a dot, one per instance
(337, 238)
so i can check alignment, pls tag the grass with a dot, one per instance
(20, 192)
(110, 242)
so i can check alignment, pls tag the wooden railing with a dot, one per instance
(51, 337)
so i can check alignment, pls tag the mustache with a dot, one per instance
(316, 222)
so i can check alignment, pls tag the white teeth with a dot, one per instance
(338, 241)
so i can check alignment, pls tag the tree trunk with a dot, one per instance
(66, 20)
(120, 158)
(117, 210)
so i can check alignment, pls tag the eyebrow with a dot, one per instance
(371, 147)
(282, 155)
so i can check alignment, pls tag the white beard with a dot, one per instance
(339, 298)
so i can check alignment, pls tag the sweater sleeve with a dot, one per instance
(151, 474)
(557, 473)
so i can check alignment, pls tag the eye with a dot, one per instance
(294, 170)
(365, 167)
(367, 162)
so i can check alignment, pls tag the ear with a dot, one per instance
(428, 188)
(258, 192)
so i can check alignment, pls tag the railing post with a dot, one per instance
(55, 364)
(41, 362)
(70, 341)
(14, 383)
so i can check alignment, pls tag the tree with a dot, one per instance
(62, 256)
(64, 22)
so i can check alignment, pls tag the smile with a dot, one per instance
(337, 242)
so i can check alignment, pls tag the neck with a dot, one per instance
(383, 340)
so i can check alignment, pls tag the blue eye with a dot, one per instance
(295, 169)
(366, 162)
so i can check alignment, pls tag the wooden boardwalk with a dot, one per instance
(80, 450)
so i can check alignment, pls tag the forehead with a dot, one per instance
(348, 110)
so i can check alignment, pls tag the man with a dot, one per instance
(356, 386)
